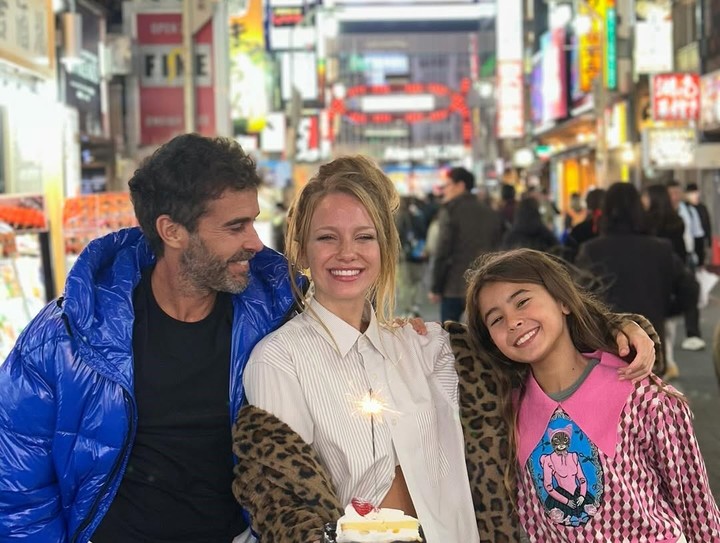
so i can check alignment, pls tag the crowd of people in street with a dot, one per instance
(192, 385)
(629, 223)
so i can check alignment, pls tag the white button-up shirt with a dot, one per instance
(312, 373)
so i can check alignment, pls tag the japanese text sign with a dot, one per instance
(676, 97)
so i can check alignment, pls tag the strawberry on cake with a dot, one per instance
(363, 522)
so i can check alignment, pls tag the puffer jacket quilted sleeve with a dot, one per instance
(66, 414)
(30, 499)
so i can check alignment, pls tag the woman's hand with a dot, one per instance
(640, 367)
(416, 322)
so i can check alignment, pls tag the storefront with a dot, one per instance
(31, 166)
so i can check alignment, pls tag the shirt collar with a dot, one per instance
(601, 392)
(341, 334)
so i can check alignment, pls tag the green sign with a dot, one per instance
(610, 49)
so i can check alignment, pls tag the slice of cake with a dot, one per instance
(362, 522)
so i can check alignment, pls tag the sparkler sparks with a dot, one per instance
(370, 404)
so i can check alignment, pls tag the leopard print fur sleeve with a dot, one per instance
(279, 480)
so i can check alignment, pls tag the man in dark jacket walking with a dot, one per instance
(117, 401)
(467, 228)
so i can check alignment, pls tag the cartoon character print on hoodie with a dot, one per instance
(567, 473)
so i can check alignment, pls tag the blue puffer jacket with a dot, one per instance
(67, 408)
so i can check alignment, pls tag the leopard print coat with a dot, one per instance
(281, 482)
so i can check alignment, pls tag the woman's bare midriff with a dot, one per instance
(398, 497)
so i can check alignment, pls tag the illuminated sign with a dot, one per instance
(669, 148)
(611, 46)
(675, 97)
(448, 102)
(509, 71)
(554, 75)
(653, 47)
(510, 96)
(589, 57)
(616, 126)
(710, 101)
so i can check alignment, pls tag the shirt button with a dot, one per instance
(394, 422)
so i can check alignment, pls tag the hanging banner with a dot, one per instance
(589, 51)
(161, 93)
(250, 71)
(554, 75)
(509, 71)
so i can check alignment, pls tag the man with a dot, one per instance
(467, 228)
(117, 401)
(693, 231)
(702, 244)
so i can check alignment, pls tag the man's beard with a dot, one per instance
(203, 270)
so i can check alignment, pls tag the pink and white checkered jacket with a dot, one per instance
(615, 462)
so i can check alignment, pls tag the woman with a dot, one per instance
(341, 349)
(643, 273)
(528, 229)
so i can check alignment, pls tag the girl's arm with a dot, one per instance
(681, 466)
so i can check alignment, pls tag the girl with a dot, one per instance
(597, 459)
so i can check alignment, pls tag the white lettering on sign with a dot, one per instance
(164, 28)
(676, 97)
(157, 120)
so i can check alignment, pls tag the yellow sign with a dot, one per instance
(589, 51)
(249, 69)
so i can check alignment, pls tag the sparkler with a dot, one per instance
(371, 405)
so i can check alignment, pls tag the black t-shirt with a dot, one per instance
(177, 486)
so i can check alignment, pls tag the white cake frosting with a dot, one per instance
(374, 536)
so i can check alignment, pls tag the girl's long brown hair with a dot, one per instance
(592, 326)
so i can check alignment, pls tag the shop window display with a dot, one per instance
(22, 267)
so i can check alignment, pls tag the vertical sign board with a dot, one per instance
(554, 75)
(250, 79)
(27, 35)
(610, 45)
(588, 52)
(710, 101)
(509, 31)
(159, 40)
(606, 10)
(82, 78)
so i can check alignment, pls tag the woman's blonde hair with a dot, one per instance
(592, 326)
(361, 178)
